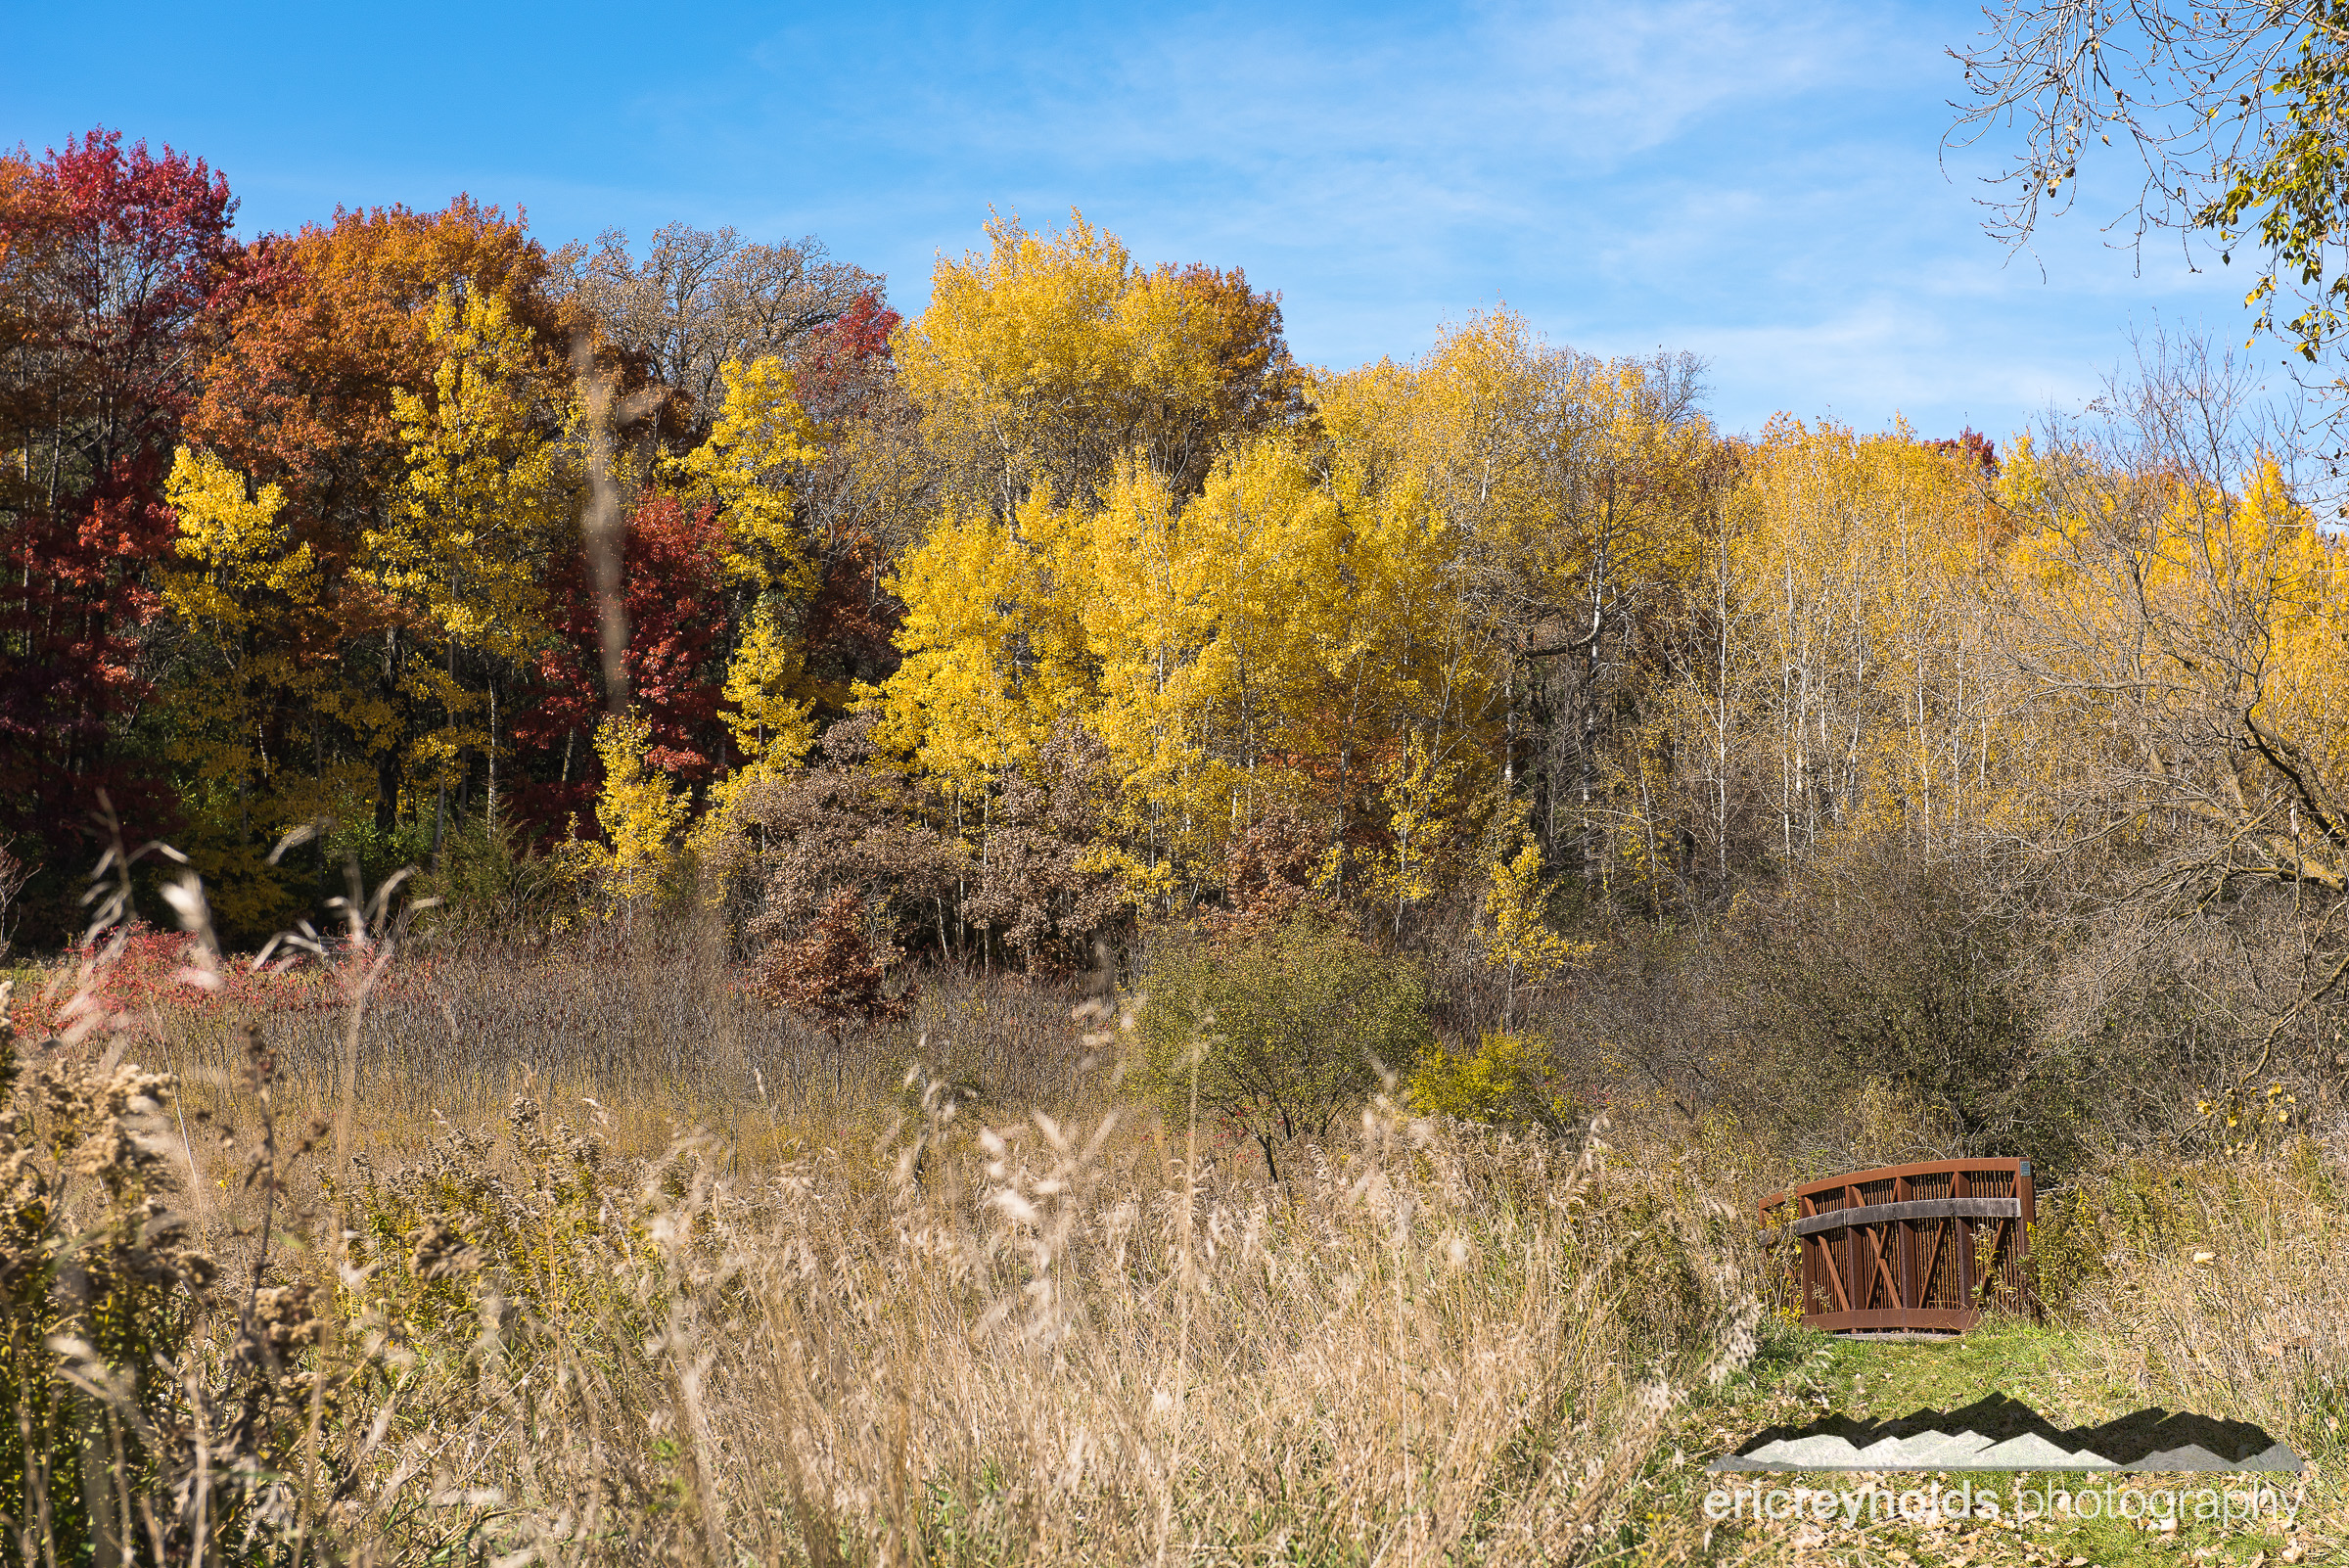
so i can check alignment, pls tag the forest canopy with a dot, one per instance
(1077, 605)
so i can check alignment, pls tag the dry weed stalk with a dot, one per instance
(2219, 1287)
(1038, 1340)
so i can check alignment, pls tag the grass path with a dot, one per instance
(1800, 1376)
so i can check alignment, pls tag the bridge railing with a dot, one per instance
(1924, 1247)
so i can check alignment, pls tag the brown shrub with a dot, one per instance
(832, 973)
(1039, 893)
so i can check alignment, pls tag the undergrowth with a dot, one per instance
(264, 1310)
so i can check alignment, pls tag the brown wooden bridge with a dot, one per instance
(1922, 1248)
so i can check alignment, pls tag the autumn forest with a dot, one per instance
(1484, 741)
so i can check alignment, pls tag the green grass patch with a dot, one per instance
(1799, 1377)
(2046, 1368)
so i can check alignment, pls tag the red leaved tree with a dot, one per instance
(110, 261)
(843, 364)
(852, 498)
(675, 588)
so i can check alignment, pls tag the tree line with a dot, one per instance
(1076, 604)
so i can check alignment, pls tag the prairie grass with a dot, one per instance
(2220, 1284)
(657, 1034)
(1035, 1341)
(607, 1263)
(568, 1261)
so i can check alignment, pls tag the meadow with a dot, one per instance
(468, 1251)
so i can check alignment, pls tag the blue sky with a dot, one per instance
(1761, 184)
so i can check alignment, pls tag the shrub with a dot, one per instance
(1043, 887)
(1279, 1034)
(1508, 1081)
(787, 840)
(1273, 872)
(832, 974)
(487, 881)
(1876, 964)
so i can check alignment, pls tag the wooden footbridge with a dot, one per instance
(1916, 1248)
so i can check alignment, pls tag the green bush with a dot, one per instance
(1279, 1033)
(1509, 1080)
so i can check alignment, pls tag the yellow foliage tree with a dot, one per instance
(1291, 635)
(995, 649)
(241, 571)
(1420, 794)
(641, 812)
(1280, 640)
(772, 726)
(2199, 629)
(1046, 357)
(761, 441)
(1573, 494)
(1516, 939)
(243, 592)
(1859, 559)
(462, 552)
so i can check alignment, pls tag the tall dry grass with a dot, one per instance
(700, 1292)
(579, 1257)
(2218, 1284)
(1030, 1341)
(655, 1028)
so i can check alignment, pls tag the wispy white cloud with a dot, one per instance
(1762, 183)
